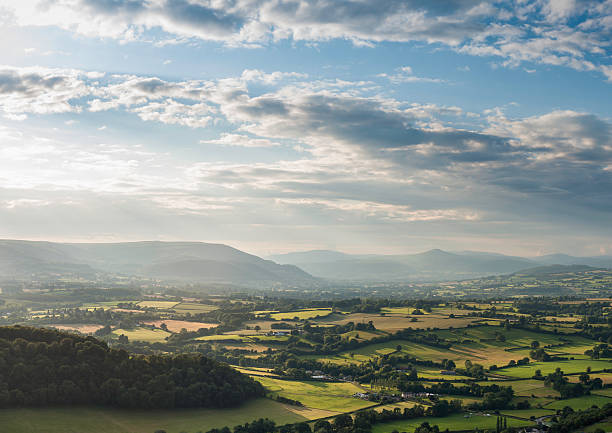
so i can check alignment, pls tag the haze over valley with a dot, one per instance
(201, 263)
(305, 216)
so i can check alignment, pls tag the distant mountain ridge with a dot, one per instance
(217, 263)
(433, 265)
(564, 259)
(554, 270)
(185, 261)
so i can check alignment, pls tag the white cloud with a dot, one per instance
(171, 112)
(240, 140)
(365, 158)
(385, 211)
(271, 78)
(39, 90)
(554, 32)
(405, 75)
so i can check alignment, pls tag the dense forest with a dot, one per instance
(47, 367)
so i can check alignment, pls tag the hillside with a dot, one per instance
(433, 265)
(49, 367)
(564, 259)
(185, 261)
(554, 270)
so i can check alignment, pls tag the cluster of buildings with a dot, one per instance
(373, 396)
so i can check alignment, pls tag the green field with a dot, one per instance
(606, 378)
(525, 387)
(94, 420)
(605, 425)
(395, 322)
(362, 335)
(476, 352)
(485, 336)
(435, 374)
(581, 403)
(193, 308)
(157, 304)
(420, 351)
(143, 334)
(607, 392)
(528, 413)
(514, 337)
(304, 314)
(458, 422)
(479, 345)
(364, 353)
(568, 367)
(279, 338)
(399, 310)
(335, 397)
(223, 337)
(106, 304)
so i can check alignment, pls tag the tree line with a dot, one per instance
(40, 367)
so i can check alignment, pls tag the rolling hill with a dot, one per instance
(433, 265)
(184, 261)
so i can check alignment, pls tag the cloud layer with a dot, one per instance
(352, 158)
(568, 33)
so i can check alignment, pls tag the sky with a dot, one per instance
(364, 126)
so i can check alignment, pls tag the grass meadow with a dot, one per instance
(333, 397)
(102, 420)
(457, 422)
(580, 403)
(568, 367)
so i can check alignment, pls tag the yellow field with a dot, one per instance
(177, 325)
(331, 397)
(83, 328)
(254, 371)
(193, 308)
(304, 314)
(143, 334)
(158, 304)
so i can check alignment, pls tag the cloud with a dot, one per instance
(382, 211)
(153, 99)
(560, 32)
(127, 19)
(240, 140)
(271, 78)
(39, 90)
(365, 159)
(404, 75)
(172, 112)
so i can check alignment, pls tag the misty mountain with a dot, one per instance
(314, 256)
(185, 261)
(564, 259)
(433, 265)
(554, 270)
(218, 263)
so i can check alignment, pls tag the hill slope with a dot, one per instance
(433, 265)
(192, 261)
(59, 368)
